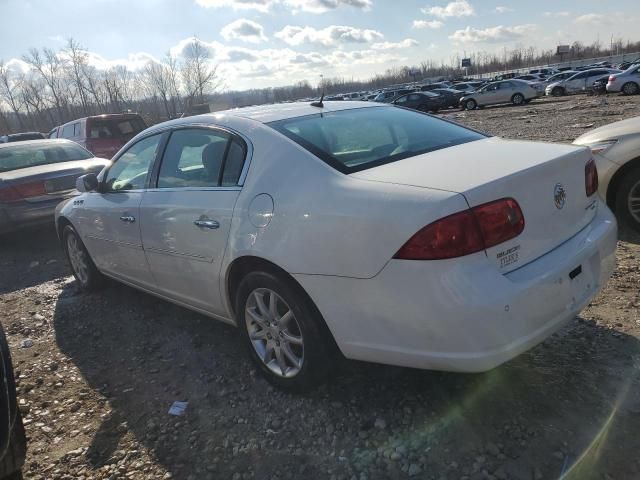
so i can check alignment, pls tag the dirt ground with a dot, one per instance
(96, 386)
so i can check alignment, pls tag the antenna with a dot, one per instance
(319, 103)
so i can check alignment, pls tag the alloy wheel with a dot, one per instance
(274, 332)
(78, 259)
(633, 202)
(629, 88)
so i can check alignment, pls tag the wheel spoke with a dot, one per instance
(286, 349)
(273, 305)
(259, 297)
(281, 361)
(258, 335)
(293, 339)
(255, 317)
(284, 320)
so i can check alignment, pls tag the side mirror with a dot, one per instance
(87, 183)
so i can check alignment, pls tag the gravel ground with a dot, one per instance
(96, 386)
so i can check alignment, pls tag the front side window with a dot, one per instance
(131, 169)
(401, 100)
(68, 131)
(358, 139)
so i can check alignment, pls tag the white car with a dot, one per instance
(627, 82)
(616, 149)
(578, 83)
(517, 92)
(383, 233)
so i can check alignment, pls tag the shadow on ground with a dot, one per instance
(30, 257)
(571, 406)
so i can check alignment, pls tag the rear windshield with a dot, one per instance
(358, 139)
(25, 156)
(123, 129)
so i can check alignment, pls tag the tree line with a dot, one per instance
(62, 85)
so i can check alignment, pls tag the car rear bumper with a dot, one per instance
(615, 86)
(24, 214)
(463, 314)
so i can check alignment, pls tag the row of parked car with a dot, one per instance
(516, 88)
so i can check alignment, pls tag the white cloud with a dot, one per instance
(491, 34)
(432, 24)
(406, 43)
(321, 6)
(593, 19)
(261, 5)
(457, 8)
(311, 6)
(502, 9)
(327, 37)
(245, 30)
(557, 14)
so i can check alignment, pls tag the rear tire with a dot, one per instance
(630, 88)
(11, 464)
(87, 275)
(628, 200)
(517, 99)
(294, 354)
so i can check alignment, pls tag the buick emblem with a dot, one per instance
(559, 196)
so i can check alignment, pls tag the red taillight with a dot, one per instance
(8, 194)
(21, 191)
(465, 232)
(590, 178)
(612, 78)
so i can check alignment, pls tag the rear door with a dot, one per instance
(109, 219)
(186, 217)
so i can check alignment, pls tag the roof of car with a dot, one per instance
(42, 142)
(281, 111)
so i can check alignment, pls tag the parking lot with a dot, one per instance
(104, 368)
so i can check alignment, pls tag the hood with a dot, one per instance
(630, 126)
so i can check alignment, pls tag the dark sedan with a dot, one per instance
(36, 175)
(450, 97)
(423, 101)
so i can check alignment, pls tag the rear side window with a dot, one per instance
(201, 158)
(122, 129)
(71, 131)
(357, 139)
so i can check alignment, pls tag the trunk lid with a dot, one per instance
(534, 174)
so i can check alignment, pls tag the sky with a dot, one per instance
(263, 43)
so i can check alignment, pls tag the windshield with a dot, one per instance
(25, 156)
(357, 139)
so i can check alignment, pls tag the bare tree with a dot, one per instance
(51, 68)
(10, 92)
(157, 78)
(198, 73)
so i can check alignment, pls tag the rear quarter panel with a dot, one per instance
(325, 222)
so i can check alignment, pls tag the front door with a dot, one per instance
(110, 218)
(488, 95)
(186, 218)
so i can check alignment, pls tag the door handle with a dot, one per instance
(128, 218)
(211, 224)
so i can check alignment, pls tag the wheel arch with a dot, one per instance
(60, 224)
(614, 183)
(244, 265)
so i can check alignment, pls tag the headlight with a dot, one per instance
(601, 147)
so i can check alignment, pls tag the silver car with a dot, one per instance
(36, 175)
(578, 83)
(616, 149)
(517, 92)
(627, 82)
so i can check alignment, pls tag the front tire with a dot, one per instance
(628, 200)
(285, 334)
(82, 266)
(630, 88)
(557, 92)
(517, 99)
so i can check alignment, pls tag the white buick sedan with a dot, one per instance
(383, 234)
